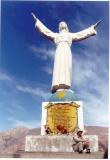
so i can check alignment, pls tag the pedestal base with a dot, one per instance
(61, 143)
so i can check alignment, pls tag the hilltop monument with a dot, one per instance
(68, 114)
(62, 114)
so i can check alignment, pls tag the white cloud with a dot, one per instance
(17, 107)
(33, 91)
(21, 123)
(16, 85)
(90, 79)
(96, 114)
(42, 52)
(5, 77)
(48, 69)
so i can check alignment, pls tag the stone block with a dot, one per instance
(56, 143)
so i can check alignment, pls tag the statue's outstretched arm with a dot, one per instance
(43, 29)
(97, 24)
(91, 31)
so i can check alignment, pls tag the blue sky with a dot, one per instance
(27, 60)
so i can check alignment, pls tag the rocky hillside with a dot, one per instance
(102, 133)
(14, 140)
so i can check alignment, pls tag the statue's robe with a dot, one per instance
(62, 71)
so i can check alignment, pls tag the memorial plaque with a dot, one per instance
(62, 117)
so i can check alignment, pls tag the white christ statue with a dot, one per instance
(62, 71)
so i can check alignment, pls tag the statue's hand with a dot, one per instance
(35, 18)
(95, 25)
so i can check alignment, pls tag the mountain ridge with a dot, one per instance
(13, 140)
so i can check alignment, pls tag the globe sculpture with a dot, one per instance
(64, 95)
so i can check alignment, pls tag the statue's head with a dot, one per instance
(63, 26)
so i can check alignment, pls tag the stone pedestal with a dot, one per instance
(61, 143)
(61, 117)
(78, 117)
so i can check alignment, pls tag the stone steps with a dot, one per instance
(71, 155)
